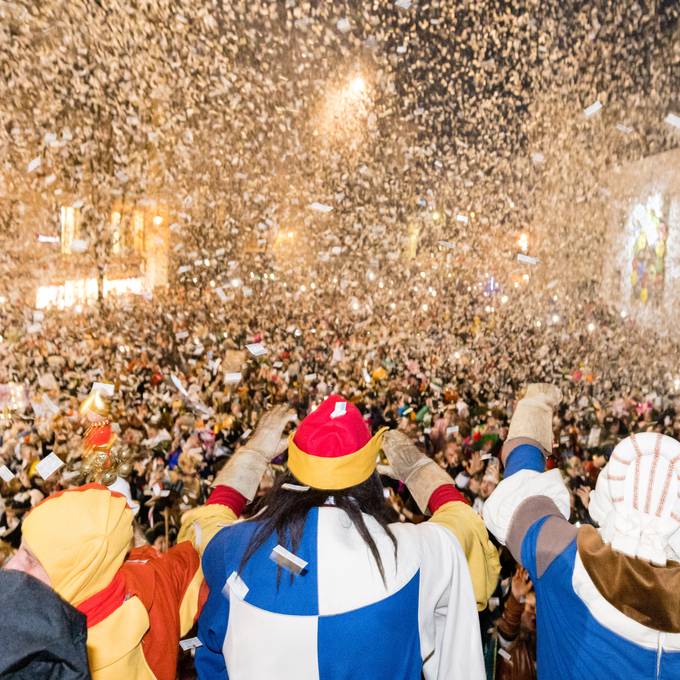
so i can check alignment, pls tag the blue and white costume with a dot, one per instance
(337, 620)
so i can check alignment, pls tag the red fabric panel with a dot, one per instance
(105, 602)
(225, 495)
(446, 493)
(160, 583)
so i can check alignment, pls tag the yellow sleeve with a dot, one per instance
(201, 524)
(482, 557)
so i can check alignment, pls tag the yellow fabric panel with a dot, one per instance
(209, 519)
(80, 537)
(189, 607)
(114, 646)
(334, 473)
(482, 556)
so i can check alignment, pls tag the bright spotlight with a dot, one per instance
(356, 86)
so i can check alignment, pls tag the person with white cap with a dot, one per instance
(319, 584)
(607, 600)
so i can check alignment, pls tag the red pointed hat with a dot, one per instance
(333, 448)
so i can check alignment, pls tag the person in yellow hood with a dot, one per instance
(138, 604)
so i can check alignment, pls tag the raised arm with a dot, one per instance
(434, 491)
(529, 509)
(237, 482)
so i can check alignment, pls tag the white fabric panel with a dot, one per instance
(450, 641)
(247, 646)
(607, 615)
(348, 576)
(514, 490)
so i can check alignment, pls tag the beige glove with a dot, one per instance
(533, 416)
(244, 470)
(421, 474)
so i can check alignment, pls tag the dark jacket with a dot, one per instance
(41, 636)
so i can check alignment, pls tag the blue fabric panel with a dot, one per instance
(571, 643)
(524, 457)
(212, 623)
(222, 557)
(294, 594)
(380, 640)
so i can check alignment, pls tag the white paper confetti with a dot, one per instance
(592, 109)
(257, 349)
(235, 587)
(105, 389)
(340, 409)
(527, 259)
(288, 560)
(320, 207)
(49, 465)
(190, 643)
(673, 119)
(6, 474)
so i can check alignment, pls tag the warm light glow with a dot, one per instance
(591, 327)
(121, 286)
(78, 292)
(523, 243)
(504, 299)
(356, 86)
(158, 220)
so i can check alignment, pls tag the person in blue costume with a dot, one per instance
(319, 585)
(607, 599)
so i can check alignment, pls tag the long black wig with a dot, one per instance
(284, 511)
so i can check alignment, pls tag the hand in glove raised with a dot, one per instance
(268, 439)
(409, 465)
(532, 419)
(245, 468)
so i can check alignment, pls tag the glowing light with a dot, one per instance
(356, 87)
(538, 324)
(504, 299)
(424, 306)
(590, 327)
(624, 313)
(303, 288)
(555, 318)
(523, 242)
(158, 220)
(291, 234)
(487, 309)
(370, 275)
(525, 277)
(436, 216)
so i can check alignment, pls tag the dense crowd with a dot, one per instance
(193, 370)
(444, 369)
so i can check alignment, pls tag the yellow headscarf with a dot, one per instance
(80, 537)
